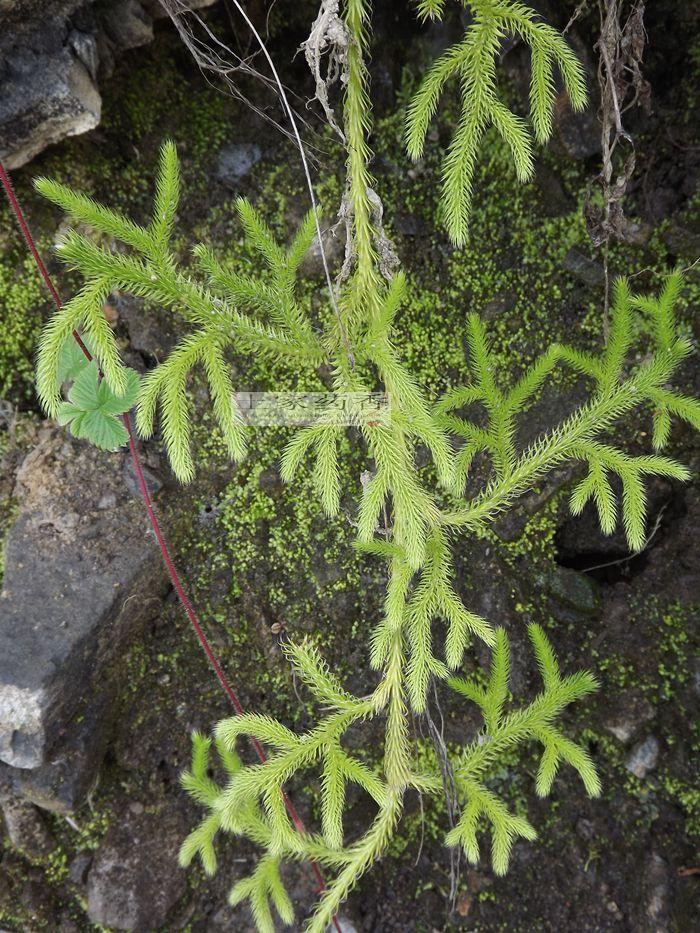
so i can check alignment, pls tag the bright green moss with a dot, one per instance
(687, 796)
(23, 306)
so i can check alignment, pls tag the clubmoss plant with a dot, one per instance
(401, 520)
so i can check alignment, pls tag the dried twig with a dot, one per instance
(575, 15)
(329, 36)
(214, 58)
(622, 86)
(629, 557)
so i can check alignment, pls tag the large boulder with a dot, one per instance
(81, 550)
(52, 55)
(47, 93)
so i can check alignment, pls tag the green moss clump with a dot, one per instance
(24, 307)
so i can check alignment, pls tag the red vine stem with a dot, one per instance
(155, 524)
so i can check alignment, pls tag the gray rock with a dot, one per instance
(683, 240)
(578, 134)
(656, 902)
(63, 781)
(585, 829)
(108, 501)
(587, 271)
(498, 306)
(695, 681)
(230, 918)
(21, 17)
(662, 202)
(46, 95)
(153, 483)
(78, 583)
(631, 714)
(408, 223)
(333, 237)
(555, 200)
(572, 589)
(236, 161)
(127, 24)
(84, 47)
(134, 881)
(635, 232)
(344, 924)
(156, 10)
(79, 867)
(152, 331)
(644, 757)
(51, 53)
(25, 827)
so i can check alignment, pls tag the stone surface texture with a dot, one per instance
(96, 574)
(52, 57)
(135, 881)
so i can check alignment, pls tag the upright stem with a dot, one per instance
(358, 122)
(396, 754)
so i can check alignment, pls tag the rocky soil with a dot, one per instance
(101, 680)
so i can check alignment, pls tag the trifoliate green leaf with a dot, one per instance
(92, 409)
(72, 361)
(119, 403)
